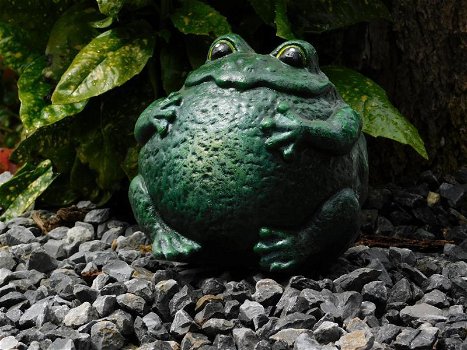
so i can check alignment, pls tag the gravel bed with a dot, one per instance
(93, 285)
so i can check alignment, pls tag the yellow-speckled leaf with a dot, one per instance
(20, 192)
(70, 33)
(380, 117)
(196, 17)
(317, 16)
(36, 17)
(110, 7)
(15, 48)
(35, 110)
(107, 61)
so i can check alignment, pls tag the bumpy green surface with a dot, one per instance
(252, 160)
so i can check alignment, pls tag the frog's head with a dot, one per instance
(292, 67)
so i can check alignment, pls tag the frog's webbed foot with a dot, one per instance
(277, 249)
(157, 117)
(287, 132)
(331, 229)
(168, 244)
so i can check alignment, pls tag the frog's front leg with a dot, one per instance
(157, 117)
(167, 243)
(330, 230)
(335, 135)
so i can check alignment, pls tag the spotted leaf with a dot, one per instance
(20, 192)
(380, 117)
(107, 61)
(196, 17)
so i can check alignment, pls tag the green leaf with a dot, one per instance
(316, 16)
(264, 9)
(283, 28)
(107, 61)
(380, 117)
(15, 47)
(174, 66)
(36, 17)
(35, 110)
(53, 141)
(20, 192)
(70, 33)
(196, 17)
(110, 7)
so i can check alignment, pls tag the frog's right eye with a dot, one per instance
(220, 49)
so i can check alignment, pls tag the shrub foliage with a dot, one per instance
(88, 68)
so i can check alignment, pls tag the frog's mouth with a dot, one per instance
(253, 71)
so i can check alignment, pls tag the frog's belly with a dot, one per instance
(213, 180)
(224, 186)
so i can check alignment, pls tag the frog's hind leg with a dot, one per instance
(167, 243)
(332, 228)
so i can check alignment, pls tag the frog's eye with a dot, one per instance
(220, 49)
(292, 55)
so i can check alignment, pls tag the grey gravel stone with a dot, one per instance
(402, 255)
(288, 335)
(356, 279)
(182, 323)
(305, 342)
(150, 328)
(245, 338)
(18, 235)
(97, 216)
(105, 335)
(328, 332)
(80, 315)
(119, 270)
(210, 310)
(215, 326)
(78, 234)
(163, 292)
(140, 287)
(437, 281)
(9, 343)
(62, 344)
(387, 333)
(423, 312)
(105, 304)
(224, 342)
(55, 248)
(11, 298)
(194, 341)
(84, 293)
(268, 291)
(123, 320)
(111, 234)
(184, 299)
(58, 233)
(7, 260)
(358, 339)
(212, 286)
(132, 303)
(35, 315)
(249, 310)
(435, 298)
(41, 261)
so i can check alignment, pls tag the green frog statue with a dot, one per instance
(255, 160)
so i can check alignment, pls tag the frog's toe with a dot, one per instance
(277, 250)
(175, 247)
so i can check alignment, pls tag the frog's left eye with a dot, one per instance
(220, 49)
(292, 55)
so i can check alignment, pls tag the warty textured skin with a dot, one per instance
(251, 155)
